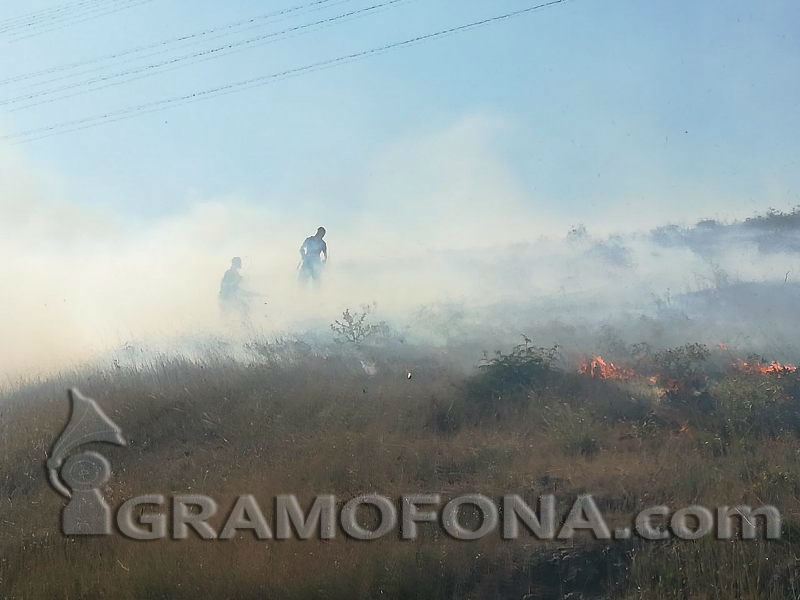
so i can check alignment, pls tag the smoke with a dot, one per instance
(437, 220)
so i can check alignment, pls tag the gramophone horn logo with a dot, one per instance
(82, 474)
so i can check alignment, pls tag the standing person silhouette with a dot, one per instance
(313, 257)
(232, 301)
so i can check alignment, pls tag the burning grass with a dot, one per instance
(762, 368)
(599, 368)
(314, 421)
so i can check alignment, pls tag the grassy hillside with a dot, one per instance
(681, 427)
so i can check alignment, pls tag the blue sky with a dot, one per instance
(431, 167)
(615, 113)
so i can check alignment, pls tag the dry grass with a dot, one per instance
(314, 422)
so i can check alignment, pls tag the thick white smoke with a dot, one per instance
(437, 219)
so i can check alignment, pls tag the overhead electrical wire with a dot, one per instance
(269, 17)
(31, 18)
(20, 29)
(146, 74)
(253, 82)
(278, 16)
(215, 52)
(100, 11)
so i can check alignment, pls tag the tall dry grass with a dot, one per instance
(311, 420)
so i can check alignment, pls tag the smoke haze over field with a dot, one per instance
(454, 174)
(561, 258)
(440, 220)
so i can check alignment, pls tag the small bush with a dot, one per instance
(355, 327)
(754, 405)
(681, 372)
(512, 376)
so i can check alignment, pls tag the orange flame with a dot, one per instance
(773, 368)
(599, 368)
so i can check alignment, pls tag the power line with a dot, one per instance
(246, 84)
(212, 52)
(198, 35)
(157, 105)
(28, 25)
(199, 60)
(88, 15)
(29, 18)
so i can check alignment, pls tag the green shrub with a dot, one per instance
(681, 372)
(753, 405)
(510, 377)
